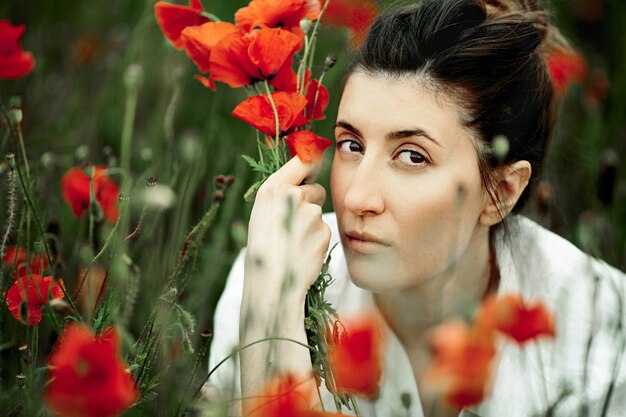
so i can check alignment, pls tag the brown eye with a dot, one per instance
(349, 146)
(411, 157)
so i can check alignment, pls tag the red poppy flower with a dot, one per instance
(317, 96)
(307, 145)
(200, 40)
(258, 112)
(173, 18)
(355, 356)
(357, 15)
(511, 316)
(285, 14)
(17, 256)
(565, 69)
(285, 396)
(75, 185)
(460, 368)
(240, 59)
(14, 62)
(28, 294)
(87, 375)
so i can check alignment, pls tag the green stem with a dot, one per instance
(127, 133)
(277, 124)
(315, 29)
(210, 16)
(236, 351)
(194, 371)
(43, 238)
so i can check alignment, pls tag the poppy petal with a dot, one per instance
(200, 40)
(257, 111)
(277, 14)
(270, 49)
(87, 375)
(318, 97)
(357, 15)
(307, 145)
(173, 18)
(205, 81)
(230, 63)
(359, 347)
(285, 79)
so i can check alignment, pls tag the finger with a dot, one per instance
(313, 193)
(294, 172)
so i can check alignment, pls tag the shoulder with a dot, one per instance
(546, 262)
(586, 297)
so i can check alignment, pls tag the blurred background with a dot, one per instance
(92, 57)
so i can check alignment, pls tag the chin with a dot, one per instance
(373, 274)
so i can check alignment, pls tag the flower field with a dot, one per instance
(133, 136)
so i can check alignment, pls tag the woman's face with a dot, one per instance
(405, 183)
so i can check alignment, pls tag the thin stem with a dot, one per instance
(315, 29)
(236, 351)
(317, 93)
(277, 123)
(127, 132)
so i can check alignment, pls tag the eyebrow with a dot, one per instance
(396, 135)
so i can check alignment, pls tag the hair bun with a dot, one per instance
(533, 11)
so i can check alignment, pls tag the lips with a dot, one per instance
(364, 242)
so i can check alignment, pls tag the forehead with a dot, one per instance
(382, 103)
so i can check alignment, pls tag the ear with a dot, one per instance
(506, 188)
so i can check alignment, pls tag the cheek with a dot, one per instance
(435, 219)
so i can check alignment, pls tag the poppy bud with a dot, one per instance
(133, 76)
(306, 25)
(151, 181)
(16, 115)
(220, 180)
(11, 160)
(330, 61)
(218, 196)
(500, 147)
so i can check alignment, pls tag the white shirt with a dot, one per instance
(533, 262)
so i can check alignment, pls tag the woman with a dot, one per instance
(423, 210)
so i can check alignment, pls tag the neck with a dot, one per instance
(453, 293)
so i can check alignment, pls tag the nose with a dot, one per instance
(364, 192)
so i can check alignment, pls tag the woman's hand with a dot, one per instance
(287, 239)
(287, 242)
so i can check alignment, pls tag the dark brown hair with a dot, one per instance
(488, 56)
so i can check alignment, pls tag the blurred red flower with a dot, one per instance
(17, 256)
(14, 62)
(285, 14)
(285, 396)
(355, 356)
(173, 18)
(75, 185)
(357, 15)
(28, 294)
(510, 315)
(257, 111)
(566, 68)
(460, 367)
(240, 59)
(87, 375)
(307, 145)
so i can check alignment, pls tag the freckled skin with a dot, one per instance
(422, 200)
